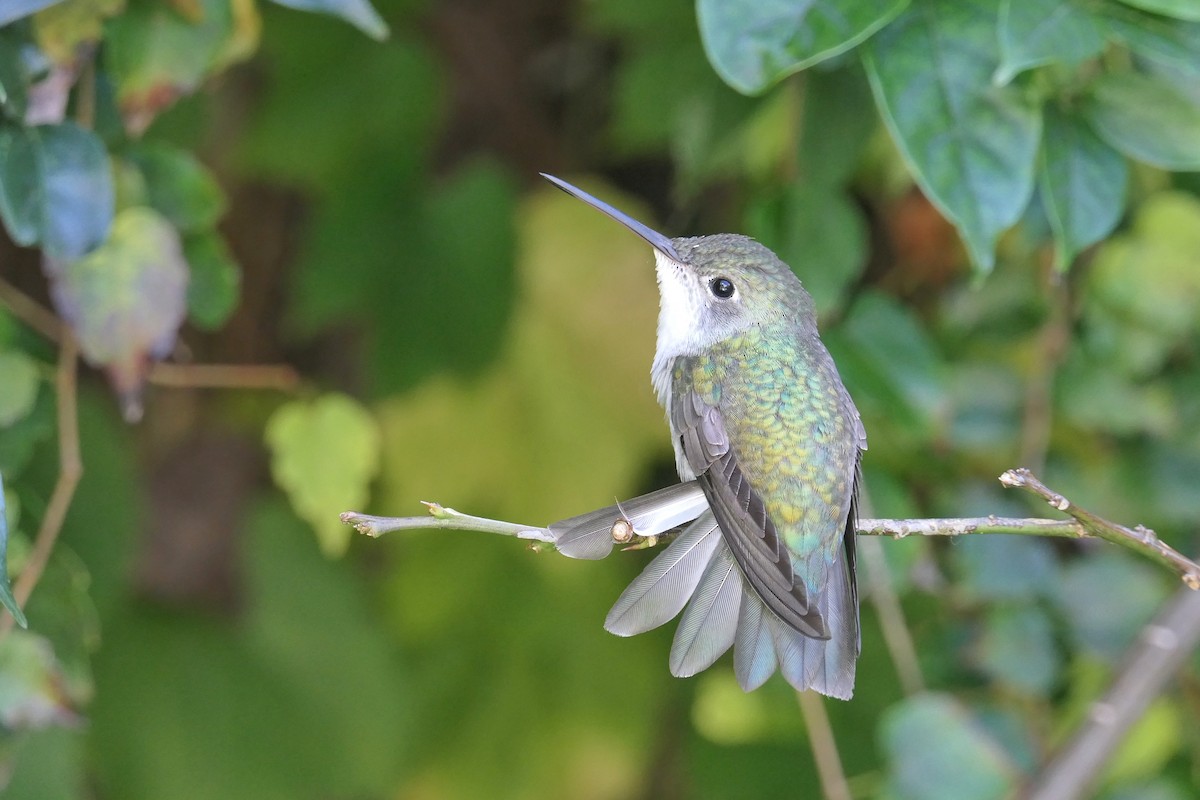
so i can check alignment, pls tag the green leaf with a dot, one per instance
(126, 300)
(77, 192)
(20, 185)
(1147, 118)
(1083, 185)
(155, 54)
(214, 280)
(55, 188)
(324, 454)
(753, 44)
(19, 386)
(1017, 649)
(179, 187)
(971, 145)
(1167, 42)
(6, 594)
(359, 13)
(937, 750)
(13, 76)
(1179, 9)
(1036, 32)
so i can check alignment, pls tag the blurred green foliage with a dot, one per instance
(987, 200)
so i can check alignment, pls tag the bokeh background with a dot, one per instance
(417, 316)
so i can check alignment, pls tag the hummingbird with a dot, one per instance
(768, 446)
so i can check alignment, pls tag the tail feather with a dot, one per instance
(709, 622)
(753, 648)
(664, 586)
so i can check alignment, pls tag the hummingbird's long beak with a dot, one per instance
(659, 242)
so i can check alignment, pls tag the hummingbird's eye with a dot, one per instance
(721, 287)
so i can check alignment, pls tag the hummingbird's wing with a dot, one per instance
(742, 514)
(589, 535)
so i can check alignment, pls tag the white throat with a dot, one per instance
(679, 314)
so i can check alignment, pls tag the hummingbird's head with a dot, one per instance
(713, 287)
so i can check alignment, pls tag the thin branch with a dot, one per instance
(824, 746)
(70, 470)
(896, 635)
(280, 377)
(31, 312)
(1158, 654)
(1139, 537)
(1084, 525)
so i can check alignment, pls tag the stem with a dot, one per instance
(824, 746)
(1139, 538)
(1084, 525)
(70, 470)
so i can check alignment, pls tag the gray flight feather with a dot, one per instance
(753, 647)
(660, 592)
(709, 622)
(589, 536)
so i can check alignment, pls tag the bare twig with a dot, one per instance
(896, 635)
(70, 470)
(1084, 525)
(443, 517)
(1139, 538)
(30, 311)
(225, 376)
(824, 746)
(1157, 655)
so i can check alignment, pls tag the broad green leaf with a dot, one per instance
(1103, 621)
(21, 439)
(214, 280)
(18, 386)
(13, 75)
(1180, 9)
(937, 750)
(324, 454)
(61, 28)
(971, 145)
(1036, 32)
(1168, 42)
(155, 54)
(753, 44)
(359, 13)
(77, 194)
(1017, 649)
(6, 595)
(837, 125)
(14, 10)
(55, 188)
(126, 300)
(1147, 118)
(179, 187)
(20, 185)
(1083, 185)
